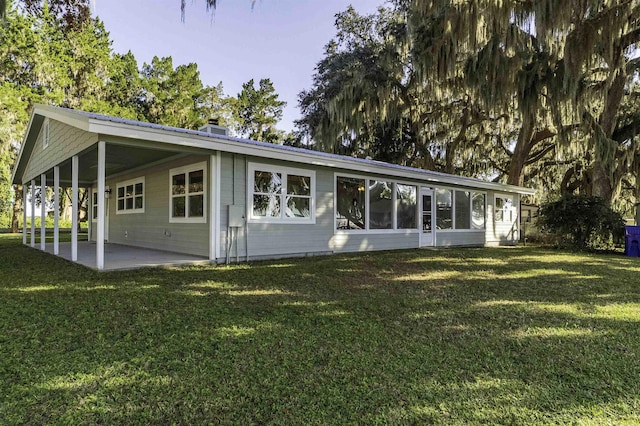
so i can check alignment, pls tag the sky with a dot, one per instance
(278, 39)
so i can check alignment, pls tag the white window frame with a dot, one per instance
(367, 183)
(124, 185)
(471, 191)
(513, 211)
(186, 170)
(284, 171)
(45, 133)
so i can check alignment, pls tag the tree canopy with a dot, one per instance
(42, 61)
(258, 110)
(540, 94)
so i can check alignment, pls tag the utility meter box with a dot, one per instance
(236, 216)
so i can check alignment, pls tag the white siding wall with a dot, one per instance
(64, 142)
(152, 229)
(503, 232)
(460, 238)
(277, 240)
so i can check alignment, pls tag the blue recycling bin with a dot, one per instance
(632, 241)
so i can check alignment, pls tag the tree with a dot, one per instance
(211, 5)
(258, 111)
(177, 97)
(588, 42)
(368, 100)
(529, 93)
(74, 67)
(70, 14)
(587, 221)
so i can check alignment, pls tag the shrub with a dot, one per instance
(582, 221)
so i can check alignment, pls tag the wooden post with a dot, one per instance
(33, 213)
(24, 214)
(43, 212)
(74, 208)
(101, 205)
(56, 210)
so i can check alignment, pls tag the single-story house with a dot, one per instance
(212, 196)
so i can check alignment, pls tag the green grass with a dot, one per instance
(498, 336)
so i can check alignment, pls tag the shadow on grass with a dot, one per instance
(491, 335)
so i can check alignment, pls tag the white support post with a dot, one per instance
(88, 215)
(24, 214)
(101, 205)
(43, 212)
(56, 210)
(212, 208)
(89, 212)
(33, 213)
(74, 209)
(216, 189)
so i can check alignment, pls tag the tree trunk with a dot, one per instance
(521, 153)
(18, 207)
(601, 181)
(450, 153)
(637, 172)
(571, 180)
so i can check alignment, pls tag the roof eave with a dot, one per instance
(112, 126)
(228, 144)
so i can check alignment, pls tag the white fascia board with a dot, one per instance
(76, 120)
(235, 147)
(54, 113)
(22, 147)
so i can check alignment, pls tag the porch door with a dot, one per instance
(426, 217)
(94, 214)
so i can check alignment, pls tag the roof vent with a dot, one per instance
(214, 128)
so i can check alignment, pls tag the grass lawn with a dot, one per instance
(508, 336)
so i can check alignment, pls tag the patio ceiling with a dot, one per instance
(119, 158)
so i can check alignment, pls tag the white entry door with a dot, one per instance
(426, 217)
(94, 215)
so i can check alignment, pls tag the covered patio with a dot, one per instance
(82, 158)
(119, 257)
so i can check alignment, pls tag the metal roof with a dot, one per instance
(392, 169)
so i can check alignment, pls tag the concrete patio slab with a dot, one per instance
(119, 257)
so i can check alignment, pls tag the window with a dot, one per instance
(456, 209)
(187, 193)
(444, 209)
(504, 208)
(372, 204)
(478, 202)
(94, 206)
(407, 206)
(298, 196)
(281, 194)
(463, 207)
(350, 203)
(45, 133)
(130, 196)
(380, 205)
